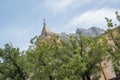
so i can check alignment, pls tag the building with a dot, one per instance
(46, 32)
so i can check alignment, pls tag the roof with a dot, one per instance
(45, 31)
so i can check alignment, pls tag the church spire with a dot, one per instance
(45, 31)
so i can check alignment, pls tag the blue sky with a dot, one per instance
(20, 20)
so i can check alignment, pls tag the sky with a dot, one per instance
(21, 20)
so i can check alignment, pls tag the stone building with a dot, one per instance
(46, 32)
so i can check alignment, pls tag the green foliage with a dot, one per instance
(87, 52)
(56, 59)
(46, 58)
(114, 49)
(13, 64)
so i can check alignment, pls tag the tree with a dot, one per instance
(46, 57)
(85, 54)
(13, 64)
(73, 58)
(114, 49)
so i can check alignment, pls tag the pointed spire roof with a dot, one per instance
(45, 31)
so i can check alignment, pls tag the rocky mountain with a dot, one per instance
(64, 36)
(93, 31)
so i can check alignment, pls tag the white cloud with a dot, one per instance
(58, 5)
(61, 6)
(92, 18)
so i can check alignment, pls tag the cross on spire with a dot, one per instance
(44, 21)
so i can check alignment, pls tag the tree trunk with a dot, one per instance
(87, 77)
(83, 78)
(50, 77)
(18, 68)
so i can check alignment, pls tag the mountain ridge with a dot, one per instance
(92, 31)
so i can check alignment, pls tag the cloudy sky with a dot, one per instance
(20, 20)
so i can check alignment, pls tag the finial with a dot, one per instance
(44, 20)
